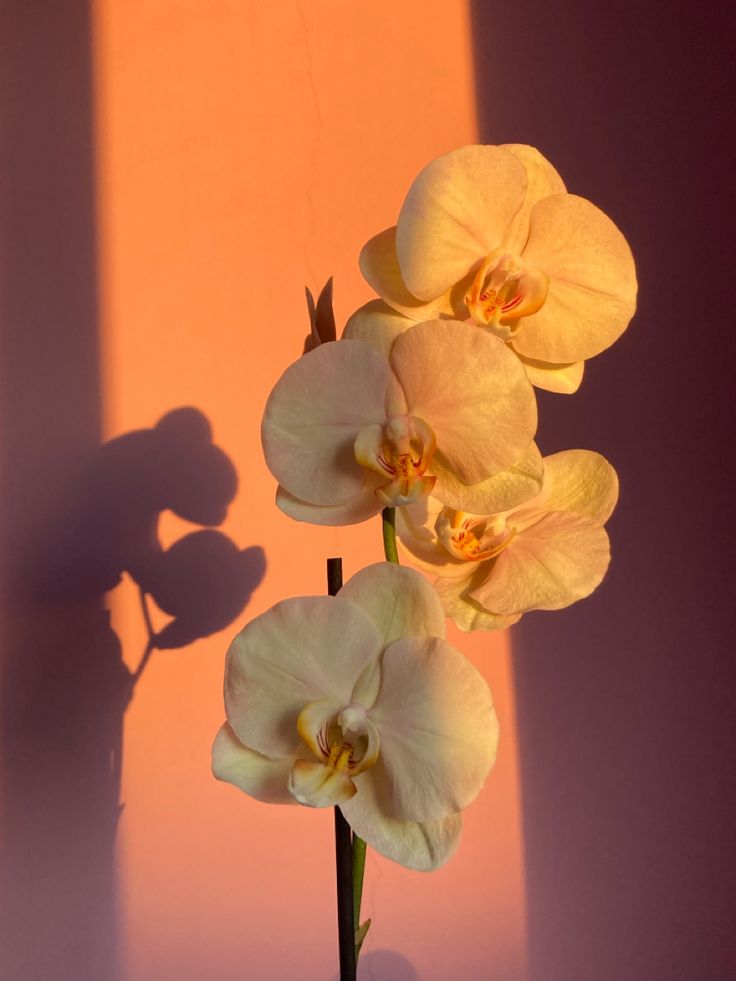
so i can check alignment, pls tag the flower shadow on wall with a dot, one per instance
(60, 829)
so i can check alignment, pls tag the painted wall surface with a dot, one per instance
(241, 152)
(626, 701)
(246, 151)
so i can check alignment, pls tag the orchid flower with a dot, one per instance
(348, 431)
(489, 233)
(544, 555)
(358, 701)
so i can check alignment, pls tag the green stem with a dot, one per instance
(358, 870)
(389, 535)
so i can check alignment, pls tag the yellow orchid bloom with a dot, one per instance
(543, 555)
(348, 431)
(490, 234)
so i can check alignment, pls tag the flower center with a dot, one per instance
(504, 290)
(345, 743)
(472, 537)
(400, 451)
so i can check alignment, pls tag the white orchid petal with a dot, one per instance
(376, 324)
(592, 288)
(399, 602)
(564, 379)
(466, 612)
(555, 562)
(419, 846)
(581, 481)
(315, 411)
(300, 651)
(543, 180)
(505, 490)
(485, 419)
(438, 728)
(362, 507)
(260, 777)
(457, 211)
(379, 264)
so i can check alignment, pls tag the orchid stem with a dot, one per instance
(345, 922)
(388, 516)
(343, 846)
(358, 870)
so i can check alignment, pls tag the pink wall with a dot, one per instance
(626, 701)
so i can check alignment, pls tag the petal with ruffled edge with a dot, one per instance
(457, 211)
(379, 264)
(362, 507)
(565, 379)
(302, 650)
(466, 612)
(399, 601)
(558, 560)
(503, 491)
(579, 481)
(258, 776)
(313, 415)
(438, 728)
(592, 281)
(472, 391)
(422, 847)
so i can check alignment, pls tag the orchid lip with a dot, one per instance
(400, 451)
(505, 289)
(473, 538)
(345, 743)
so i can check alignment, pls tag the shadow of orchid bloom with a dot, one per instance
(130, 480)
(203, 581)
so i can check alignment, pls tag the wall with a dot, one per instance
(626, 700)
(240, 153)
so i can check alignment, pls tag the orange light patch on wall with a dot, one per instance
(247, 150)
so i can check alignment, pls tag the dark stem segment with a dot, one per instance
(334, 576)
(343, 845)
(345, 924)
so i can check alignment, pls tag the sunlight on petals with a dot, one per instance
(543, 270)
(546, 553)
(339, 465)
(400, 722)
